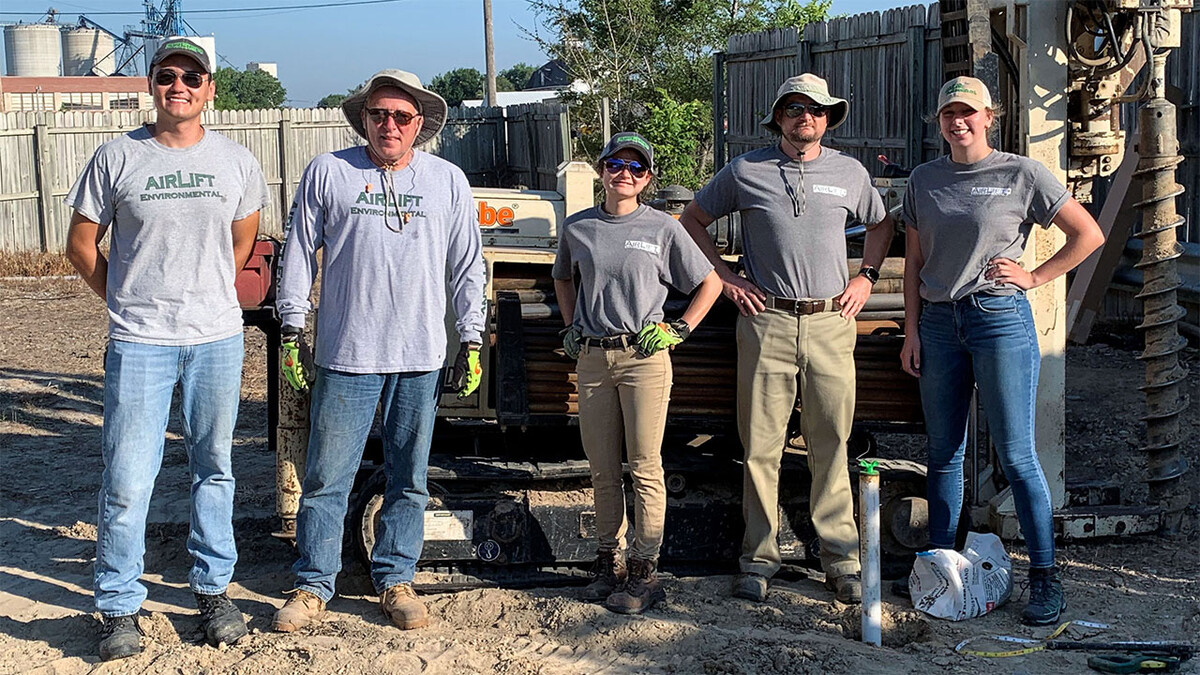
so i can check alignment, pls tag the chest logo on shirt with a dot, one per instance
(405, 206)
(180, 185)
(979, 191)
(643, 246)
(829, 190)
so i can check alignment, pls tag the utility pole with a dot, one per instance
(489, 47)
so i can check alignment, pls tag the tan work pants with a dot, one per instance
(773, 348)
(623, 396)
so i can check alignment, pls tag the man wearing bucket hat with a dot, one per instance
(797, 320)
(398, 230)
(180, 204)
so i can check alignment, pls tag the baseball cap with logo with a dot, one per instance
(966, 90)
(185, 46)
(813, 87)
(633, 141)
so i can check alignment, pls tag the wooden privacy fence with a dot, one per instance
(886, 64)
(41, 154)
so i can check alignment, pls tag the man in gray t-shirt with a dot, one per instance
(397, 232)
(180, 204)
(798, 306)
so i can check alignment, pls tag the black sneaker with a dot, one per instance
(120, 637)
(900, 588)
(221, 620)
(1046, 599)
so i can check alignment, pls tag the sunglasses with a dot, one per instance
(636, 168)
(794, 110)
(380, 116)
(191, 79)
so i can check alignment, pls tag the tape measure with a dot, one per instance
(1034, 645)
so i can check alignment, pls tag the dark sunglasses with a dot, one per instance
(380, 116)
(191, 79)
(636, 168)
(794, 110)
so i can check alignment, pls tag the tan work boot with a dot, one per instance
(302, 609)
(608, 573)
(401, 605)
(641, 591)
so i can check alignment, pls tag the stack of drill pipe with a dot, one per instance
(704, 367)
(1159, 155)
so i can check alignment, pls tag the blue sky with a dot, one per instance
(328, 50)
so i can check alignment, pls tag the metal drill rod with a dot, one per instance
(1159, 150)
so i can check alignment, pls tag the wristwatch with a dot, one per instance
(870, 273)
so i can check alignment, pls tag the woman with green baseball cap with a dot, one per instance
(968, 323)
(627, 256)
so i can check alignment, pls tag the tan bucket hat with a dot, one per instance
(431, 106)
(967, 90)
(815, 88)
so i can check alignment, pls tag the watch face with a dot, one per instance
(870, 273)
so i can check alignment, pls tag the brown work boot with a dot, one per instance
(302, 609)
(608, 573)
(401, 605)
(847, 588)
(640, 591)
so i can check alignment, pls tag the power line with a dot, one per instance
(322, 5)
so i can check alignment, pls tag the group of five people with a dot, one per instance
(397, 233)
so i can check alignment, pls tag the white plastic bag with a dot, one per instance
(956, 586)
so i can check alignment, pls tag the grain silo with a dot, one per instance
(87, 51)
(33, 50)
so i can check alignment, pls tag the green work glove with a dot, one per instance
(467, 370)
(295, 358)
(572, 339)
(656, 337)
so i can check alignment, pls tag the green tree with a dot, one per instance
(247, 90)
(332, 101)
(652, 59)
(678, 131)
(518, 74)
(457, 85)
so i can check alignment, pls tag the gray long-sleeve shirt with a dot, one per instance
(390, 255)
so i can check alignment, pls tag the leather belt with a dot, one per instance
(614, 342)
(802, 307)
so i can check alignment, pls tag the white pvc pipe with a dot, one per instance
(872, 609)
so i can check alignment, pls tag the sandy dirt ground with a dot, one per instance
(51, 347)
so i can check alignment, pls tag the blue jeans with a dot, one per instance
(139, 381)
(989, 341)
(343, 408)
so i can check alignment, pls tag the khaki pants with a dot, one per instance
(623, 396)
(773, 348)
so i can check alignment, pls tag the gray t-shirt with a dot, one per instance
(383, 280)
(794, 217)
(626, 264)
(967, 214)
(169, 212)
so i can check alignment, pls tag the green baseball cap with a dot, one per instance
(185, 46)
(633, 141)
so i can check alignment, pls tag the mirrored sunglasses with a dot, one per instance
(191, 79)
(636, 168)
(400, 117)
(794, 110)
